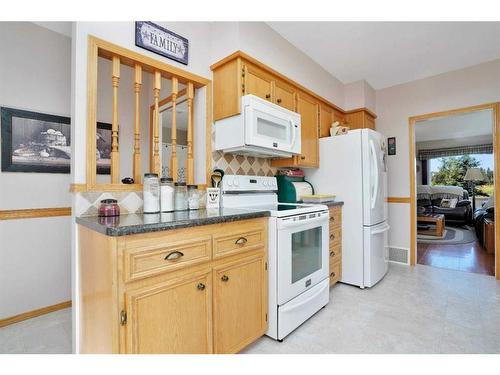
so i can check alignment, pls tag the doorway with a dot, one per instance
(454, 166)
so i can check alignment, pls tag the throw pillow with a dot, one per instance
(449, 203)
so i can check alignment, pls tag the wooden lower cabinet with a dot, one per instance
(211, 301)
(170, 317)
(335, 244)
(240, 304)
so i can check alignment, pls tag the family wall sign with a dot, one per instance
(159, 40)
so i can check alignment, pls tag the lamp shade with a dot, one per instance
(474, 174)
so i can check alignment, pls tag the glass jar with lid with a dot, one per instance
(167, 194)
(193, 197)
(181, 196)
(151, 193)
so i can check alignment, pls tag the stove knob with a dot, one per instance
(236, 182)
(229, 182)
(264, 183)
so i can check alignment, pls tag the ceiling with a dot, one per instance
(465, 125)
(390, 53)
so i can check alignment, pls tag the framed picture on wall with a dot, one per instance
(103, 149)
(35, 142)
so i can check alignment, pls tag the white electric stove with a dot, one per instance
(298, 250)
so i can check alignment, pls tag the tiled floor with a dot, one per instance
(50, 333)
(412, 310)
(470, 257)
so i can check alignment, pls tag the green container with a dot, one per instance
(286, 190)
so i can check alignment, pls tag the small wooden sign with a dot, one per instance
(159, 40)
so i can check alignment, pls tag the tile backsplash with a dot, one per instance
(243, 165)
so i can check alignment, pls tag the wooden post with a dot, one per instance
(115, 154)
(173, 159)
(156, 124)
(190, 132)
(137, 125)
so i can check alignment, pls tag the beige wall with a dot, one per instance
(471, 86)
(35, 272)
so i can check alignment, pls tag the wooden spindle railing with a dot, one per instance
(173, 159)
(190, 132)
(137, 124)
(156, 124)
(115, 154)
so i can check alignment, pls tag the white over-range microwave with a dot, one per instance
(262, 129)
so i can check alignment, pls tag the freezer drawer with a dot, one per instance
(376, 253)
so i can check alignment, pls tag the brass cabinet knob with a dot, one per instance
(268, 96)
(225, 278)
(332, 253)
(332, 218)
(278, 101)
(302, 157)
(332, 274)
(200, 286)
(332, 236)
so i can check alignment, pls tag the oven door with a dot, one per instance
(269, 126)
(302, 253)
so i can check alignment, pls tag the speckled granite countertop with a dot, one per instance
(332, 204)
(124, 225)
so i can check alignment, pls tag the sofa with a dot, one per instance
(429, 202)
(486, 211)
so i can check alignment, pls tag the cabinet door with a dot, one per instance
(170, 317)
(369, 121)
(325, 120)
(257, 82)
(284, 95)
(240, 303)
(308, 109)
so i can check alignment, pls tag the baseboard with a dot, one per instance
(34, 313)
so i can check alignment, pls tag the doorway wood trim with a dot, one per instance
(495, 108)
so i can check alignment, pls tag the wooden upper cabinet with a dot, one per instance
(360, 119)
(326, 119)
(240, 303)
(284, 95)
(257, 82)
(173, 317)
(308, 108)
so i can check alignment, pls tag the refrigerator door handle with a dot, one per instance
(377, 172)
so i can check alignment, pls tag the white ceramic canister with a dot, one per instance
(151, 193)
(167, 194)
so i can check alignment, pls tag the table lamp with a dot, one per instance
(474, 175)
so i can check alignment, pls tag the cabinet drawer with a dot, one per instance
(335, 252)
(238, 242)
(335, 217)
(335, 235)
(335, 271)
(149, 261)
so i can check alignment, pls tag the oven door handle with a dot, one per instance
(298, 223)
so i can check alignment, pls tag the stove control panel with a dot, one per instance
(233, 182)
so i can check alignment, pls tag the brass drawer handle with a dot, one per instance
(332, 253)
(225, 278)
(332, 274)
(241, 241)
(268, 96)
(279, 100)
(174, 255)
(200, 286)
(332, 236)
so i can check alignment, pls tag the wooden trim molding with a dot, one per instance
(398, 199)
(31, 213)
(495, 108)
(34, 313)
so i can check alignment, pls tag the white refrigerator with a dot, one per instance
(354, 168)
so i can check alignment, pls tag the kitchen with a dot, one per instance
(222, 266)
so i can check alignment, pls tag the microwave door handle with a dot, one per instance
(294, 133)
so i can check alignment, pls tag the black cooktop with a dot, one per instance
(284, 207)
